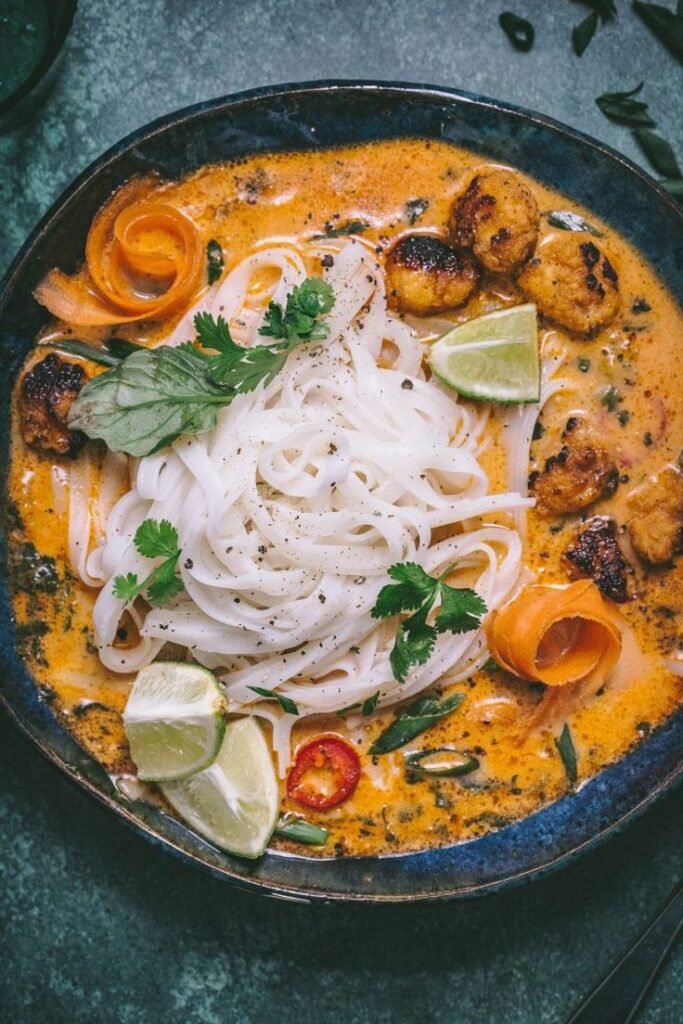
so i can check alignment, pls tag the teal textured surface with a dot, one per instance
(95, 924)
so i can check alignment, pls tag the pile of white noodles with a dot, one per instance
(291, 511)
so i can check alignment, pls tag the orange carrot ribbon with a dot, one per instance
(566, 637)
(143, 261)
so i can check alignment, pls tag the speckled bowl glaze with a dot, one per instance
(307, 117)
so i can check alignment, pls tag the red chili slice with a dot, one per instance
(316, 762)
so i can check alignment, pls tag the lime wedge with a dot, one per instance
(174, 720)
(493, 358)
(234, 803)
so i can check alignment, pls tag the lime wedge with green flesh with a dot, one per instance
(236, 802)
(493, 358)
(174, 720)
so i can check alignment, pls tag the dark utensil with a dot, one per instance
(618, 996)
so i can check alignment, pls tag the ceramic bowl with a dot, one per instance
(307, 117)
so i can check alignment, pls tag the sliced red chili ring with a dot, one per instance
(325, 772)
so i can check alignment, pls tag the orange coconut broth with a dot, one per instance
(294, 197)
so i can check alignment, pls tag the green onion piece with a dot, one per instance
(569, 221)
(121, 347)
(440, 762)
(298, 830)
(567, 751)
(84, 351)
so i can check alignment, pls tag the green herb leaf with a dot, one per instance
(153, 539)
(584, 32)
(126, 588)
(154, 396)
(352, 227)
(659, 152)
(298, 830)
(667, 26)
(286, 703)
(121, 348)
(148, 400)
(413, 720)
(214, 261)
(84, 351)
(461, 610)
(567, 751)
(519, 31)
(299, 321)
(569, 221)
(610, 398)
(369, 704)
(622, 107)
(415, 590)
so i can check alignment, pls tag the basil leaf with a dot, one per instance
(667, 26)
(519, 31)
(84, 351)
(569, 221)
(214, 261)
(148, 400)
(584, 32)
(567, 751)
(622, 107)
(413, 720)
(659, 153)
(286, 703)
(298, 830)
(121, 348)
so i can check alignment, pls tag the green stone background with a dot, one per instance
(95, 924)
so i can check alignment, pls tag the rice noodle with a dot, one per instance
(292, 509)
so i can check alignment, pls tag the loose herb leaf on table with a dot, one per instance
(601, 10)
(624, 108)
(415, 590)
(413, 720)
(153, 539)
(519, 31)
(659, 153)
(667, 25)
(154, 396)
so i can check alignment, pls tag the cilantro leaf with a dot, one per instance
(299, 321)
(153, 539)
(461, 610)
(369, 704)
(413, 587)
(286, 703)
(126, 588)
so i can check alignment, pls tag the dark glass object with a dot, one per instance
(31, 36)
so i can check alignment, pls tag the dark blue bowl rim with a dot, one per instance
(597, 789)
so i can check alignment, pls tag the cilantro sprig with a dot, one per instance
(153, 539)
(461, 610)
(154, 396)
